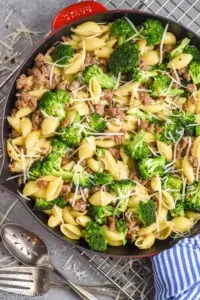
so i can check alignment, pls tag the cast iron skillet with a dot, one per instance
(67, 18)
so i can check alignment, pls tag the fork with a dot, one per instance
(34, 281)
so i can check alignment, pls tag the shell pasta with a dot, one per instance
(105, 134)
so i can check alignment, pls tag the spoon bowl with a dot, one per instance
(24, 245)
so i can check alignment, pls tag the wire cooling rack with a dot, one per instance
(134, 277)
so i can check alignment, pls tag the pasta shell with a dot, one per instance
(18, 166)
(11, 151)
(182, 224)
(30, 188)
(165, 229)
(54, 188)
(82, 108)
(127, 89)
(47, 178)
(105, 143)
(70, 116)
(18, 141)
(123, 170)
(195, 216)
(169, 39)
(123, 155)
(67, 217)
(195, 150)
(104, 52)
(71, 231)
(111, 42)
(142, 46)
(198, 103)
(95, 90)
(87, 28)
(180, 61)
(113, 128)
(111, 164)
(165, 150)
(31, 139)
(83, 220)
(155, 184)
(53, 221)
(145, 242)
(167, 200)
(92, 44)
(112, 236)
(153, 108)
(41, 193)
(93, 164)
(101, 198)
(57, 212)
(26, 126)
(188, 170)
(23, 112)
(75, 66)
(69, 166)
(38, 93)
(87, 148)
(14, 123)
(49, 125)
(152, 57)
(147, 230)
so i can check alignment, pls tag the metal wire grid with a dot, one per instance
(134, 277)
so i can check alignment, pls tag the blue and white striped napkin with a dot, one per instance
(177, 271)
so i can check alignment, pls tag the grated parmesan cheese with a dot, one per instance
(162, 43)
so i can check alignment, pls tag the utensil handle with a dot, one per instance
(76, 12)
(83, 294)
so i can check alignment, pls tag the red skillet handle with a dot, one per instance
(75, 12)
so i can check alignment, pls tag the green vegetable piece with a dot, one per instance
(153, 31)
(96, 122)
(124, 58)
(147, 212)
(101, 178)
(71, 135)
(135, 147)
(122, 30)
(150, 167)
(193, 51)
(95, 237)
(94, 71)
(123, 229)
(100, 213)
(62, 54)
(179, 49)
(194, 71)
(192, 197)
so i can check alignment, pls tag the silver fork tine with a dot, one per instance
(21, 280)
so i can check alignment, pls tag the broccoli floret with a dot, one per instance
(192, 197)
(58, 145)
(135, 147)
(161, 67)
(122, 30)
(62, 53)
(124, 58)
(71, 135)
(100, 153)
(142, 76)
(96, 122)
(42, 204)
(147, 212)
(60, 201)
(178, 210)
(53, 103)
(123, 229)
(173, 185)
(100, 213)
(170, 131)
(160, 87)
(51, 165)
(101, 178)
(150, 167)
(139, 114)
(193, 51)
(186, 119)
(80, 177)
(35, 170)
(94, 71)
(194, 71)
(95, 237)
(179, 49)
(122, 189)
(153, 31)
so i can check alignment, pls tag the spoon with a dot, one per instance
(30, 250)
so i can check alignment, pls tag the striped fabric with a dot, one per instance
(177, 271)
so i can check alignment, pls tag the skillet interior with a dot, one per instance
(12, 186)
